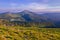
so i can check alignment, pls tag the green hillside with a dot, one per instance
(29, 33)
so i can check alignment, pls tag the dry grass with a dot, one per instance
(32, 33)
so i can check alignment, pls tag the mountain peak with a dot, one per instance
(27, 12)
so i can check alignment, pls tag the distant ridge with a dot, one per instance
(28, 16)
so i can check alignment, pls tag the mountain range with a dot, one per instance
(28, 16)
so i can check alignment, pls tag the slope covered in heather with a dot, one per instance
(32, 33)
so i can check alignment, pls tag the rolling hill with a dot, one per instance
(52, 19)
(24, 15)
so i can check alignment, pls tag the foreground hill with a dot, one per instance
(32, 33)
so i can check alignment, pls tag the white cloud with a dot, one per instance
(31, 6)
(54, 7)
(37, 6)
(13, 5)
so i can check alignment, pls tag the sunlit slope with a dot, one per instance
(23, 33)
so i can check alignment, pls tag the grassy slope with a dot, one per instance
(23, 33)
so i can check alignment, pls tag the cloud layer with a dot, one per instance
(33, 5)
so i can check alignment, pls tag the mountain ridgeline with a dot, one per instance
(27, 18)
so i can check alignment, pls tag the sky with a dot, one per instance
(33, 5)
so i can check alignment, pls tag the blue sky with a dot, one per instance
(34, 5)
